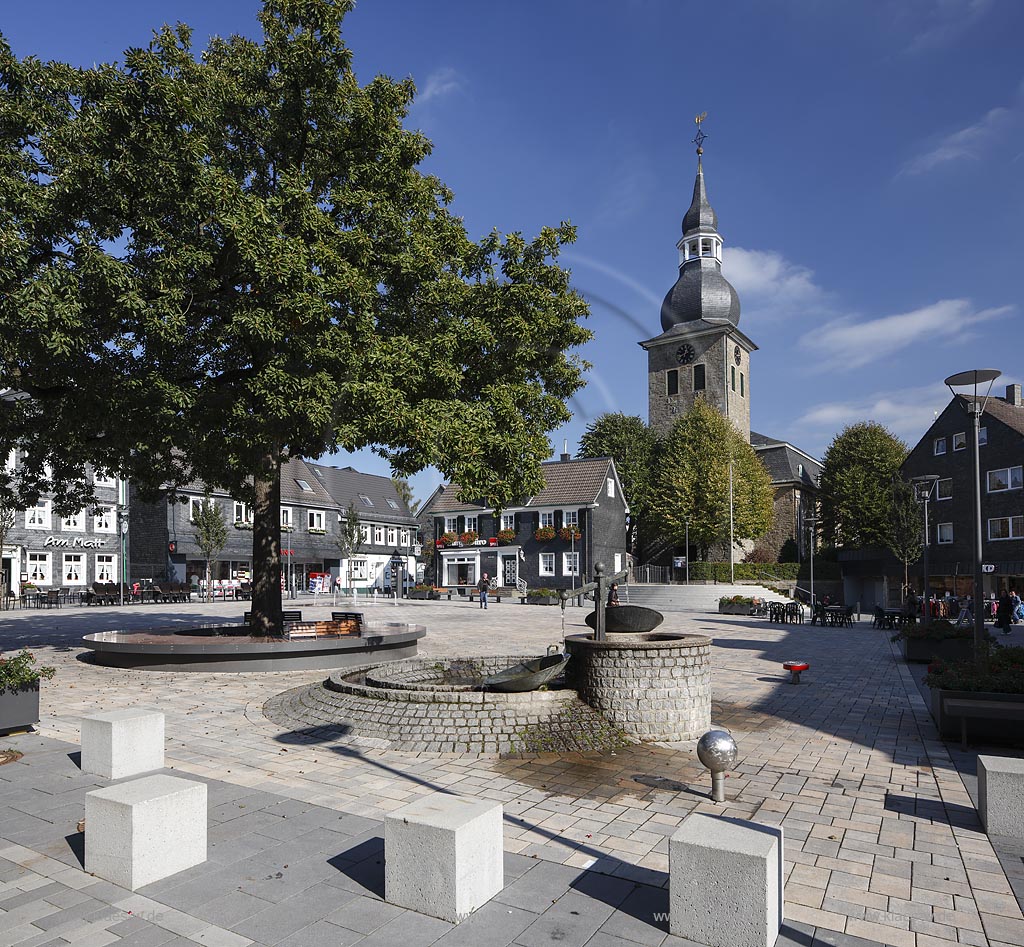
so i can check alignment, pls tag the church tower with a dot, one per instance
(701, 352)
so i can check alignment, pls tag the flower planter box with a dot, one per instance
(926, 650)
(733, 609)
(995, 730)
(19, 709)
(425, 595)
(541, 599)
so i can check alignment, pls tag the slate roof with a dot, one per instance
(1011, 415)
(784, 462)
(345, 485)
(566, 483)
(701, 214)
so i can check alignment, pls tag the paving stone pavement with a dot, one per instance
(882, 839)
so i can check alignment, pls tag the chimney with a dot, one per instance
(1013, 395)
(565, 444)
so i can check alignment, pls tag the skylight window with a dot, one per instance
(366, 500)
(304, 486)
(393, 505)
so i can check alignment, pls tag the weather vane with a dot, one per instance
(698, 139)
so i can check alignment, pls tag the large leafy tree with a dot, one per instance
(692, 482)
(633, 446)
(211, 263)
(857, 474)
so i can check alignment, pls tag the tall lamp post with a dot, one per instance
(975, 405)
(812, 521)
(687, 521)
(923, 487)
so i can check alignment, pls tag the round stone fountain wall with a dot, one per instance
(654, 687)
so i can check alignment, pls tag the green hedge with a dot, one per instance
(763, 572)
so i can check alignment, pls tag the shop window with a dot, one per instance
(106, 568)
(39, 568)
(73, 572)
(358, 569)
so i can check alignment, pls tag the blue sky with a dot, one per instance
(866, 162)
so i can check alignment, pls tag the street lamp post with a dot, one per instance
(812, 521)
(976, 408)
(923, 487)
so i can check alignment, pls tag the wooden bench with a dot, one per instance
(491, 596)
(964, 707)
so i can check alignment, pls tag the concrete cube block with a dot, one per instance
(443, 855)
(726, 882)
(143, 830)
(1001, 795)
(123, 743)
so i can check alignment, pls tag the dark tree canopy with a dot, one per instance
(211, 263)
(633, 446)
(857, 474)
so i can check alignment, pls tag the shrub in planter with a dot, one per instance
(19, 690)
(940, 639)
(448, 538)
(542, 596)
(570, 533)
(544, 534)
(469, 537)
(1001, 673)
(506, 536)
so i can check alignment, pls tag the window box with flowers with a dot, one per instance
(285, 527)
(544, 534)
(506, 536)
(242, 524)
(570, 533)
(447, 539)
(316, 531)
(469, 537)
(19, 691)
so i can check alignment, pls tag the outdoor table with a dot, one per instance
(835, 614)
(894, 617)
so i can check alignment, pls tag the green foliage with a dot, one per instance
(350, 533)
(239, 241)
(857, 474)
(938, 629)
(544, 534)
(404, 492)
(633, 446)
(541, 593)
(506, 536)
(692, 482)
(1002, 673)
(21, 671)
(735, 600)
(762, 572)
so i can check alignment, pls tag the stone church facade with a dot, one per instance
(702, 353)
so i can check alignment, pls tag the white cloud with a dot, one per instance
(769, 284)
(942, 21)
(907, 412)
(439, 83)
(970, 142)
(846, 343)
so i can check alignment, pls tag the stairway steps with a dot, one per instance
(692, 598)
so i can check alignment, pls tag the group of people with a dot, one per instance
(1009, 610)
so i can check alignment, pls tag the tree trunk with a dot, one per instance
(208, 590)
(266, 548)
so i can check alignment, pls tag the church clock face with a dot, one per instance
(737, 354)
(685, 353)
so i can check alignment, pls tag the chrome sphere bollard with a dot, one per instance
(717, 751)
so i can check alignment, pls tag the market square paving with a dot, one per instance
(882, 839)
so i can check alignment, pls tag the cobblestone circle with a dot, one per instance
(402, 715)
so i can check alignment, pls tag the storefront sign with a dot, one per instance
(78, 542)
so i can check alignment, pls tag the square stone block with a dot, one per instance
(726, 882)
(443, 855)
(144, 830)
(1001, 795)
(123, 743)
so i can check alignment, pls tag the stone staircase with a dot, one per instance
(691, 598)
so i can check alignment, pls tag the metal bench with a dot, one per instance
(964, 707)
